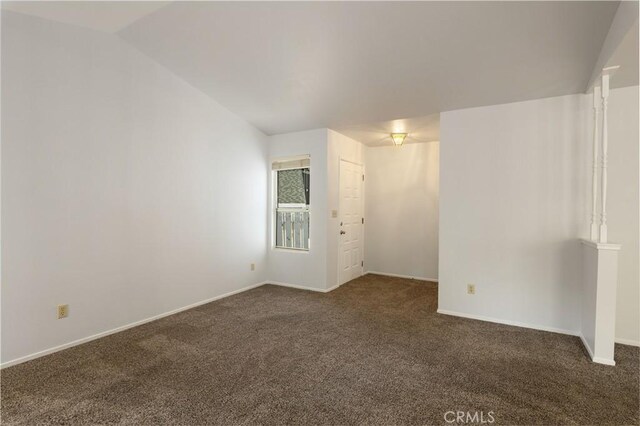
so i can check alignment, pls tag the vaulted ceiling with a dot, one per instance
(288, 66)
(107, 16)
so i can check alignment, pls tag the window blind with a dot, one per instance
(292, 163)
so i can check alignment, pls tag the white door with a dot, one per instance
(351, 222)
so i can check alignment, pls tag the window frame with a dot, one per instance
(274, 208)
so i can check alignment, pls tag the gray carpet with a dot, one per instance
(371, 352)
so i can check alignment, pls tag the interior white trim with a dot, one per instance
(508, 322)
(401, 276)
(150, 319)
(596, 359)
(122, 328)
(604, 361)
(601, 246)
(628, 342)
(352, 162)
(586, 345)
(302, 287)
(362, 212)
(332, 288)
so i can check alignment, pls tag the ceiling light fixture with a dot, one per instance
(398, 138)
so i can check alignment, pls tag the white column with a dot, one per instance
(594, 180)
(605, 143)
(600, 258)
(606, 74)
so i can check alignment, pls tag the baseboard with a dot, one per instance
(123, 328)
(604, 361)
(302, 287)
(508, 322)
(332, 288)
(596, 359)
(586, 346)
(629, 342)
(150, 319)
(409, 277)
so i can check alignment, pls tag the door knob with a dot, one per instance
(342, 232)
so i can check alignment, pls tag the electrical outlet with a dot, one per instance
(253, 266)
(63, 311)
(471, 289)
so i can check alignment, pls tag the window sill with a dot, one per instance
(290, 250)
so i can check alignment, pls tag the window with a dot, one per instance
(292, 180)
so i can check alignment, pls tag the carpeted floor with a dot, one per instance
(373, 351)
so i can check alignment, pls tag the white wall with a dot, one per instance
(401, 231)
(513, 203)
(318, 268)
(623, 204)
(117, 177)
(299, 268)
(339, 147)
(117, 183)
